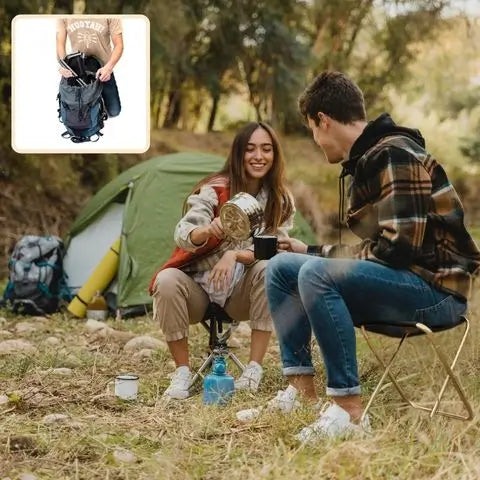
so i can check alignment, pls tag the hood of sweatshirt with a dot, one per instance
(375, 130)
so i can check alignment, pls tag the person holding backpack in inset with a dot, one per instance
(94, 37)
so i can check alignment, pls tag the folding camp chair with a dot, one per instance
(214, 319)
(410, 329)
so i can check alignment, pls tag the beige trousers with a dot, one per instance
(178, 301)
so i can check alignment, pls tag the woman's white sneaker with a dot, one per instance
(250, 378)
(180, 383)
(333, 422)
(285, 401)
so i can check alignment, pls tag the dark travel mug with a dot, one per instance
(264, 246)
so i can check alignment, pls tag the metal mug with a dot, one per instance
(126, 386)
(242, 217)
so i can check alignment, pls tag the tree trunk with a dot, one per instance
(79, 7)
(213, 111)
(173, 110)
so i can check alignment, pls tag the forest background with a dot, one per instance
(218, 63)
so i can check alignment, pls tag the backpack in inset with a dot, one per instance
(81, 108)
(36, 277)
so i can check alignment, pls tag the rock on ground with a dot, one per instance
(144, 342)
(124, 456)
(143, 354)
(25, 327)
(16, 346)
(54, 418)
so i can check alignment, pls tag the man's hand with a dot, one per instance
(221, 273)
(292, 245)
(104, 73)
(65, 72)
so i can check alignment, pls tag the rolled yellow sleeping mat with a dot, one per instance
(98, 280)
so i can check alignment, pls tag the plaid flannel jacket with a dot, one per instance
(408, 215)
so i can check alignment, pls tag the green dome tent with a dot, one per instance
(143, 205)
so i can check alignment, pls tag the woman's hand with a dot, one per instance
(221, 273)
(216, 228)
(65, 72)
(292, 245)
(200, 235)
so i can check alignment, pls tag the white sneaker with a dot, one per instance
(333, 422)
(250, 378)
(285, 401)
(180, 383)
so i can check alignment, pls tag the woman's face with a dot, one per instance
(258, 158)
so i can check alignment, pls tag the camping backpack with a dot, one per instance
(80, 103)
(35, 275)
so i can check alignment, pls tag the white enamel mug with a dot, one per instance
(126, 386)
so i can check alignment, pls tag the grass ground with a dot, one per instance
(186, 440)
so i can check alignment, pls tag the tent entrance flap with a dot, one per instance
(88, 247)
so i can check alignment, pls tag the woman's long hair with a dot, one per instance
(279, 204)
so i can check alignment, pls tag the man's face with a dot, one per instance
(324, 137)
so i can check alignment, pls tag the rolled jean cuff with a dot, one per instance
(343, 392)
(298, 370)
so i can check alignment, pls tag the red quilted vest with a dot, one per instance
(181, 257)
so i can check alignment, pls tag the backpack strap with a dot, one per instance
(74, 139)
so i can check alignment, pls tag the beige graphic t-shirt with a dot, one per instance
(91, 35)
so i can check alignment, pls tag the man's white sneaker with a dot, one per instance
(333, 422)
(250, 378)
(285, 401)
(180, 383)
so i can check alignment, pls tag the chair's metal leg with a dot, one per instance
(394, 381)
(385, 372)
(448, 368)
(236, 361)
(205, 365)
(450, 375)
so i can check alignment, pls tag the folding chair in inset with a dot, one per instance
(411, 329)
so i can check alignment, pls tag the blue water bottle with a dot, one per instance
(218, 386)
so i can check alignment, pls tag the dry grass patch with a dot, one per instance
(186, 440)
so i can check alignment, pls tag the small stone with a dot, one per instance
(124, 456)
(94, 325)
(3, 400)
(158, 455)
(27, 476)
(234, 343)
(3, 321)
(25, 327)
(40, 319)
(143, 342)
(5, 334)
(243, 329)
(16, 346)
(62, 371)
(54, 418)
(143, 354)
(52, 341)
(72, 361)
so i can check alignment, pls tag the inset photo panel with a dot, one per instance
(80, 84)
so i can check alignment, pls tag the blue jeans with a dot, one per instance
(331, 296)
(111, 97)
